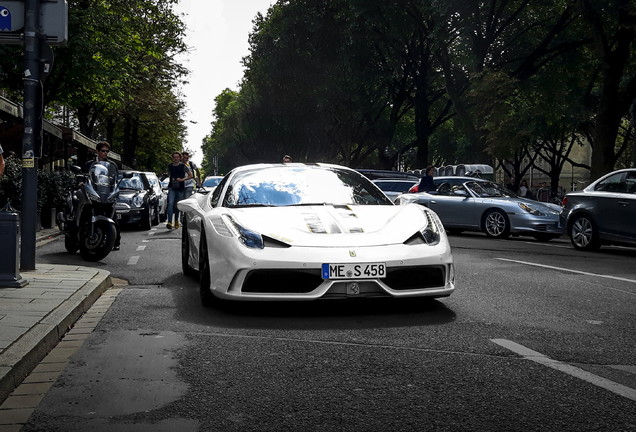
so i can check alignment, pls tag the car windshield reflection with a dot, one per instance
(286, 186)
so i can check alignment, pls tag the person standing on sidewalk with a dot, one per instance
(179, 173)
(196, 175)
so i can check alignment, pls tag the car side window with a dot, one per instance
(444, 189)
(614, 183)
(630, 182)
(214, 199)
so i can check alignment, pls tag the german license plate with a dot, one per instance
(354, 271)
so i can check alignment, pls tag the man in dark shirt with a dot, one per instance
(426, 183)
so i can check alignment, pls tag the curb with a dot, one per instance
(24, 355)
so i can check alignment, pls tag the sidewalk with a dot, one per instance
(34, 318)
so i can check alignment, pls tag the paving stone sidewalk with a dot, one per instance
(34, 318)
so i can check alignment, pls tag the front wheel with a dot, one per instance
(185, 252)
(584, 233)
(96, 240)
(496, 224)
(207, 298)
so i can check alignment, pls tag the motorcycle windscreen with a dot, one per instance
(101, 177)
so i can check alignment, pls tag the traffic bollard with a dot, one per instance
(9, 243)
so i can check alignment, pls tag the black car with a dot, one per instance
(138, 204)
(602, 213)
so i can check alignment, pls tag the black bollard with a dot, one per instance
(9, 241)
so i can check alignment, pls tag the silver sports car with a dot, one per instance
(310, 231)
(473, 204)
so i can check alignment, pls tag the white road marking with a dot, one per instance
(596, 380)
(140, 248)
(133, 260)
(572, 271)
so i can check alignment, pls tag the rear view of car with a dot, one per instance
(602, 213)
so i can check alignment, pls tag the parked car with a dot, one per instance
(138, 204)
(602, 213)
(162, 196)
(211, 181)
(473, 204)
(393, 188)
(307, 232)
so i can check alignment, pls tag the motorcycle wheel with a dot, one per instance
(70, 243)
(98, 245)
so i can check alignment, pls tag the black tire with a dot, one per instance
(583, 233)
(96, 246)
(185, 253)
(496, 224)
(207, 298)
(155, 216)
(146, 222)
(70, 244)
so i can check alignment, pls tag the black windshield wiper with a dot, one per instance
(250, 205)
(308, 204)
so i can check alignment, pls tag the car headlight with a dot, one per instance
(525, 207)
(138, 201)
(431, 233)
(249, 238)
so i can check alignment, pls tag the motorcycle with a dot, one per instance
(88, 218)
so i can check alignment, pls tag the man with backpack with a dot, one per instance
(196, 175)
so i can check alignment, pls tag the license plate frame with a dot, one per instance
(343, 271)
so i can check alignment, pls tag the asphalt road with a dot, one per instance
(537, 336)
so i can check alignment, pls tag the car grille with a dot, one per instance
(282, 281)
(406, 278)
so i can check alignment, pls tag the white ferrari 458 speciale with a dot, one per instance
(310, 231)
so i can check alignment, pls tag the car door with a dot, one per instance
(454, 210)
(610, 204)
(624, 214)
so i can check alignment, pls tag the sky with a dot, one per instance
(217, 34)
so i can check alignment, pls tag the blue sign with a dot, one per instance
(11, 16)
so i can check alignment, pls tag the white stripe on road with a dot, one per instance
(133, 260)
(140, 248)
(596, 380)
(572, 271)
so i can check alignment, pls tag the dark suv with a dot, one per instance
(602, 213)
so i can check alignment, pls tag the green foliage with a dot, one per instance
(53, 186)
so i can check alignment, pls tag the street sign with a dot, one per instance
(11, 16)
(53, 21)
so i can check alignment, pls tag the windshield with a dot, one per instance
(488, 190)
(211, 182)
(134, 183)
(301, 185)
(100, 174)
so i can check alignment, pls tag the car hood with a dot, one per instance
(332, 225)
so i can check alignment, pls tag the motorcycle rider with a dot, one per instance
(103, 148)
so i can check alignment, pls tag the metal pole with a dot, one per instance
(32, 138)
